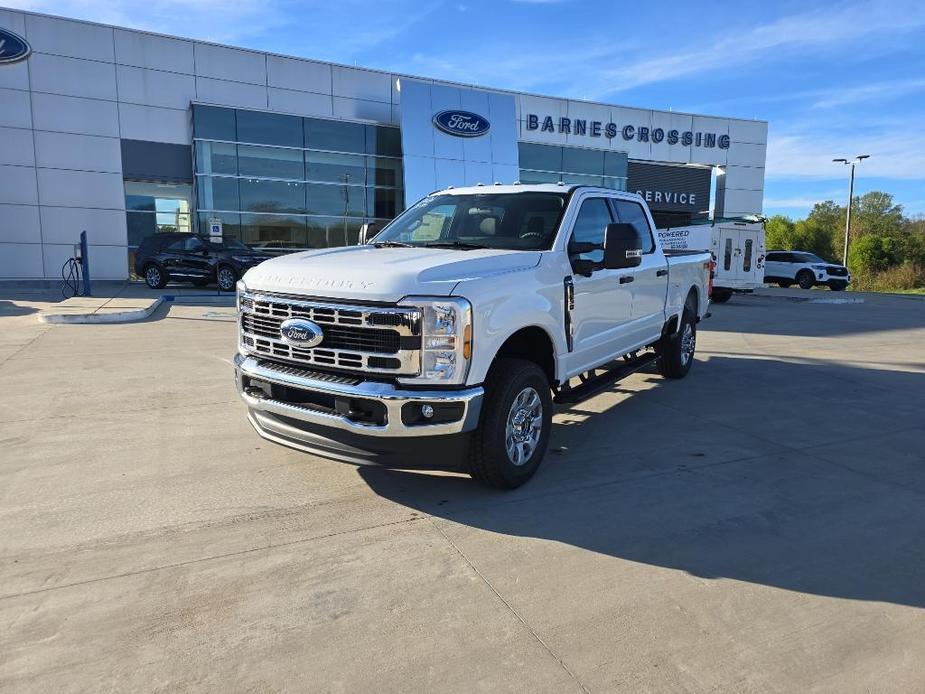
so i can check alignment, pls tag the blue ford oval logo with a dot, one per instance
(299, 332)
(12, 47)
(461, 123)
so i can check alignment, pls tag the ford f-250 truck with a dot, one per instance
(459, 324)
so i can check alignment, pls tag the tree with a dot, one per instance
(875, 213)
(779, 233)
(872, 253)
(829, 216)
(812, 236)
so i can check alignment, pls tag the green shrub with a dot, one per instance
(898, 278)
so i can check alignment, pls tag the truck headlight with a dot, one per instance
(446, 339)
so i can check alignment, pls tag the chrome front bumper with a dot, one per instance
(392, 398)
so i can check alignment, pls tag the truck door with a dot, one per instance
(650, 284)
(603, 305)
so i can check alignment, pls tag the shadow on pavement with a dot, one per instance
(692, 477)
(11, 308)
(769, 314)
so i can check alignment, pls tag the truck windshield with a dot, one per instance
(514, 221)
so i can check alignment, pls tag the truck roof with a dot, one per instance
(486, 189)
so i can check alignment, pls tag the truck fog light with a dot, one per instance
(427, 411)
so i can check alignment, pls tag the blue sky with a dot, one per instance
(834, 79)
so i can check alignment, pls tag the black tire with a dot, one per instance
(201, 283)
(721, 296)
(510, 381)
(226, 277)
(676, 352)
(155, 276)
(838, 286)
(783, 284)
(806, 279)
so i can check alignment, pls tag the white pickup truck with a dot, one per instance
(459, 324)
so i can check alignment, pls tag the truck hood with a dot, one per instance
(367, 273)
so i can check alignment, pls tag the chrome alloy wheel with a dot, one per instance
(688, 343)
(226, 278)
(153, 276)
(524, 426)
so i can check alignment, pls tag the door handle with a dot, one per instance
(661, 273)
(626, 279)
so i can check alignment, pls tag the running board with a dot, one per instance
(593, 386)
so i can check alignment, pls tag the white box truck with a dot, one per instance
(737, 245)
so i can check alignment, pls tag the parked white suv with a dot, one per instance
(455, 328)
(805, 269)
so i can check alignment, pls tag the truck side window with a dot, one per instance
(747, 261)
(593, 218)
(632, 213)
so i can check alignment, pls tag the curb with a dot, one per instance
(128, 316)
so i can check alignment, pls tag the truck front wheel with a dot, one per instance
(513, 433)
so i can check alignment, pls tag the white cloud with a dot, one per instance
(894, 153)
(892, 89)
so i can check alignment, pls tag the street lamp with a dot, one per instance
(857, 160)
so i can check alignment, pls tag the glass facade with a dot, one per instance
(155, 207)
(286, 182)
(551, 164)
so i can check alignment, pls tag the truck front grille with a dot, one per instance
(385, 340)
(836, 271)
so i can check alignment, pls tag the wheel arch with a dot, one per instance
(532, 343)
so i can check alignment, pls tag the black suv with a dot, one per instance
(191, 258)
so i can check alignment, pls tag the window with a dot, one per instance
(334, 200)
(540, 157)
(577, 165)
(217, 193)
(304, 181)
(384, 172)
(216, 158)
(269, 128)
(153, 207)
(274, 231)
(632, 213)
(337, 168)
(187, 244)
(512, 220)
(587, 161)
(384, 202)
(775, 257)
(272, 196)
(270, 162)
(747, 260)
(727, 255)
(383, 141)
(592, 220)
(213, 123)
(335, 136)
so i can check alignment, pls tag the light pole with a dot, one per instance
(857, 160)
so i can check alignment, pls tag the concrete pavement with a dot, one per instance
(755, 527)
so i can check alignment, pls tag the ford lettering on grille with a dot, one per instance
(299, 332)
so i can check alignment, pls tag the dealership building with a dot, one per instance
(123, 133)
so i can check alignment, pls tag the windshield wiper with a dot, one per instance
(454, 244)
(392, 244)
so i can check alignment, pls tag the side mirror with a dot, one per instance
(622, 247)
(367, 231)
